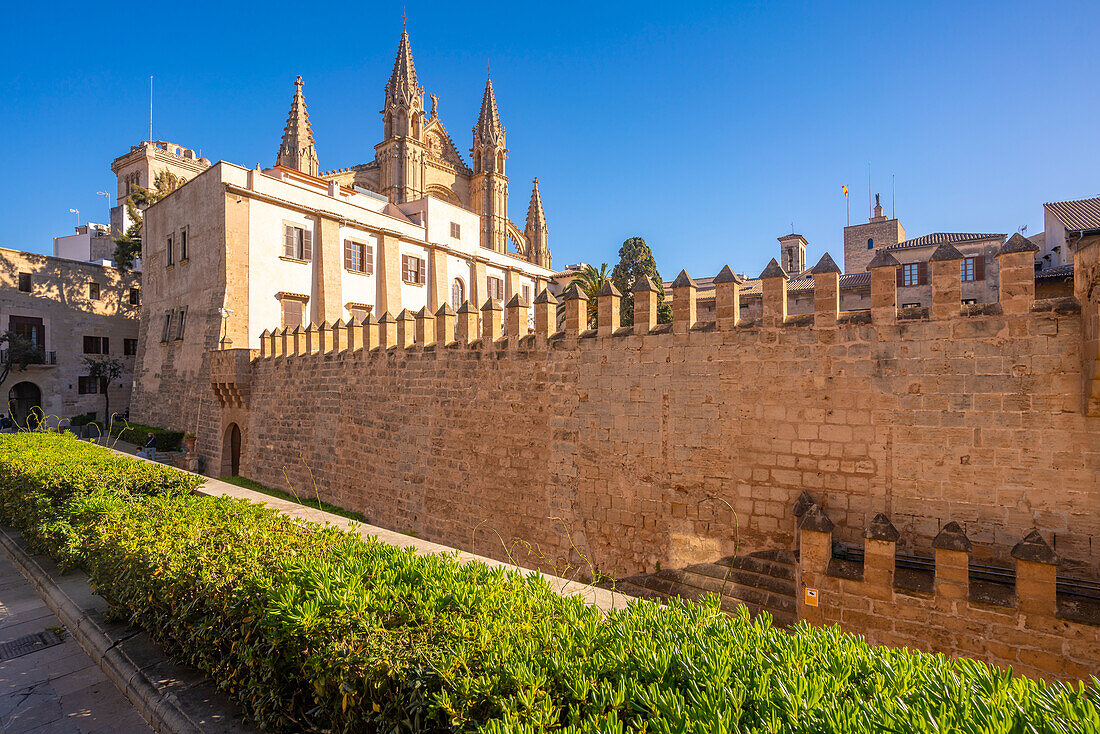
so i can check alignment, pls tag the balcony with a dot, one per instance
(35, 358)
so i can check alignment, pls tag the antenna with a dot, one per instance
(150, 107)
(870, 211)
(893, 199)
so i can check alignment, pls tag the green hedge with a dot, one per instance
(316, 629)
(136, 433)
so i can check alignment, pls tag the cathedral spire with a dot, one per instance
(297, 150)
(536, 233)
(488, 129)
(403, 87)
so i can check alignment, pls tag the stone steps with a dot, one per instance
(761, 582)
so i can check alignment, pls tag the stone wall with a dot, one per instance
(683, 443)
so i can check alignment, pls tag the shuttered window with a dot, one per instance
(292, 313)
(972, 268)
(297, 242)
(169, 255)
(87, 385)
(359, 257)
(97, 345)
(181, 322)
(495, 287)
(412, 270)
(913, 274)
(167, 327)
(456, 230)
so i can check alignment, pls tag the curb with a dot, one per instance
(160, 710)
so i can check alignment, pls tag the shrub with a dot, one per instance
(82, 420)
(136, 433)
(316, 629)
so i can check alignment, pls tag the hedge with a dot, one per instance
(313, 628)
(136, 433)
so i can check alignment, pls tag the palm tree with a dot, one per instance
(589, 281)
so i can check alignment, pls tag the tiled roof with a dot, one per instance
(1055, 273)
(1079, 214)
(939, 238)
(847, 280)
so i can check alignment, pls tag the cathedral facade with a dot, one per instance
(418, 158)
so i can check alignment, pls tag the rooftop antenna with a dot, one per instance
(150, 107)
(893, 199)
(870, 211)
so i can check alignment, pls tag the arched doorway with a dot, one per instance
(231, 451)
(24, 401)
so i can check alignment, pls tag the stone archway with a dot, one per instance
(24, 401)
(232, 441)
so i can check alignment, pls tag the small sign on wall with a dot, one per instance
(811, 597)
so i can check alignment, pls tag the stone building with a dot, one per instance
(67, 309)
(89, 243)
(237, 251)
(140, 166)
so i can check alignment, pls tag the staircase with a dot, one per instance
(763, 581)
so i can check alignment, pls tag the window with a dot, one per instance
(183, 244)
(297, 243)
(30, 328)
(96, 345)
(169, 256)
(87, 385)
(25, 282)
(292, 313)
(167, 328)
(870, 243)
(93, 291)
(972, 268)
(527, 294)
(181, 320)
(129, 347)
(359, 257)
(458, 293)
(456, 230)
(970, 301)
(135, 296)
(495, 286)
(412, 270)
(913, 274)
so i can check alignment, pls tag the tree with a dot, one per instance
(107, 369)
(18, 351)
(635, 261)
(128, 245)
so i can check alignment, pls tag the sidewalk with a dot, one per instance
(48, 685)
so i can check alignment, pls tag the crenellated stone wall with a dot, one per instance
(622, 449)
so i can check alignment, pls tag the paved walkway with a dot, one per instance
(52, 686)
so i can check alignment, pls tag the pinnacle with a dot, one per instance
(404, 73)
(488, 127)
(536, 215)
(297, 149)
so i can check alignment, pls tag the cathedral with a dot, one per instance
(418, 158)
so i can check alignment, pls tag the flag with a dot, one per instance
(845, 191)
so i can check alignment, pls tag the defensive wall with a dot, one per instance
(625, 448)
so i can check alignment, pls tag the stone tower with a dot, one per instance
(536, 234)
(862, 241)
(489, 185)
(297, 150)
(401, 154)
(793, 251)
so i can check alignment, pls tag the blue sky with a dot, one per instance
(705, 128)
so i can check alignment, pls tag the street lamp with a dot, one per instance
(77, 213)
(108, 195)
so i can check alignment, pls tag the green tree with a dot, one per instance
(18, 351)
(128, 245)
(636, 260)
(107, 369)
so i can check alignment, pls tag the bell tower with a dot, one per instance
(400, 155)
(489, 185)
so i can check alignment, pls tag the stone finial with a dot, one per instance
(425, 326)
(491, 304)
(405, 329)
(1017, 243)
(444, 325)
(816, 520)
(516, 301)
(369, 336)
(445, 310)
(945, 252)
(1033, 548)
(546, 314)
(354, 333)
(298, 341)
(644, 284)
(883, 259)
(517, 319)
(339, 337)
(466, 325)
(726, 275)
(491, 312)
(266, 347)
(609, 289)
(824, 266)
(803, 504)
(574, 293)
(607, 315)
(645, 304)
(951, 537)
(576, 310)
(881, 529)
(683, 280)
(683, 303)
(773, 270)
(387, 331)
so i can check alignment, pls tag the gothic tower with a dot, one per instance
(401, 155)
(538, 237)
(489, 185)
(297, 149)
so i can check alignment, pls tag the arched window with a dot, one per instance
(458, 293)
(870, 243)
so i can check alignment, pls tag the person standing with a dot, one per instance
(151, 447)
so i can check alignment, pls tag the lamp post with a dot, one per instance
(77, 213)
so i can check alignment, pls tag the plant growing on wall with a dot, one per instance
(106, 369)
(128, 245)
(636, 260)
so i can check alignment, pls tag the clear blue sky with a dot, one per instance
(705, 128)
